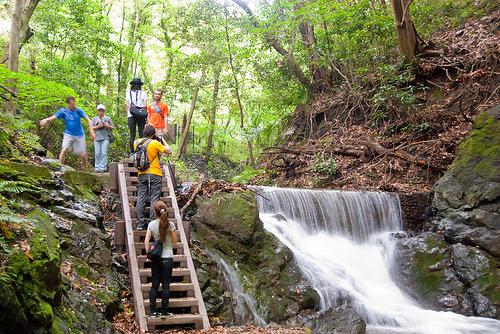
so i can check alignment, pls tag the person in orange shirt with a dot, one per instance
(158, 114)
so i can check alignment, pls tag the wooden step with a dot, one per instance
(176, 272)
(173, 302)
(134, 225)
(170, 210)
(133, 212)
(181, 286)
(141, 259)
(177, 319)
(167, 200)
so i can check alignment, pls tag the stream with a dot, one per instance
(343, 243)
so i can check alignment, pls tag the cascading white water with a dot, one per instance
(342, 242)
(245, 307)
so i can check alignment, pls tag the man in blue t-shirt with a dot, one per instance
(74, 137)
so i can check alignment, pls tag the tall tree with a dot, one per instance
(15, 30)
(251, 159)
(213, 112)
(407, 34)
(185, 133)
(25, 31)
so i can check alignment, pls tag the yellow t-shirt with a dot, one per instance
(154, 149)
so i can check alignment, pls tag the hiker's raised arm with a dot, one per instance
(44, 122)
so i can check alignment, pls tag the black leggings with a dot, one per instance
(161, 272)
(134, 123)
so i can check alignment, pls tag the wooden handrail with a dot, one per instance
(194, 279)
(135, 280)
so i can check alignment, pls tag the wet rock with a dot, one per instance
(338, 320)
(416, 208)
(76, 215)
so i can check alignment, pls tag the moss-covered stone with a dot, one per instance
(85, 185)
(30, 170)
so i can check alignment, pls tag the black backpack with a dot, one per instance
(140, 157)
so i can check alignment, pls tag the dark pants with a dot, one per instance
(148, 190)
(161, 271)
(133, 124)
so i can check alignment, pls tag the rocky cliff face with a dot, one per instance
(56, 264)
(454, 264)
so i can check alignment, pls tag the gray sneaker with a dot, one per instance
(155, 314)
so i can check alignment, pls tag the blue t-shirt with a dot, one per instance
(72, 121)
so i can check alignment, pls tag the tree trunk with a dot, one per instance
(25, 32)
(189, 117)
(407, 35)
(321, 76)
(120, 65)
(215, 96)
(14, 36)
(251, 160)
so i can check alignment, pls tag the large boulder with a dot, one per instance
(469, 193)
(337, 320)
(229, 224)
(453, 266)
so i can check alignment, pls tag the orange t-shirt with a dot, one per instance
(157, 120)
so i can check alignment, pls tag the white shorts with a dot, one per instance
(75, 144)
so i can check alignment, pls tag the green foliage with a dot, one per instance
(324, 167)
(17, 187)
(247, 175)
(87, 48)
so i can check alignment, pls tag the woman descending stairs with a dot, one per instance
(186, 301)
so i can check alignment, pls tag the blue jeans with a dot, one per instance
(101, 154)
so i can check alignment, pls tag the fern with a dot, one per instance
(17, 187)
(11, 219)
(4, 246)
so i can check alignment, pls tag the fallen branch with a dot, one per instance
(193, 195)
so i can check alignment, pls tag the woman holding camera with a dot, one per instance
(102, 126)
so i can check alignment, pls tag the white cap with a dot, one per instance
(100, 106)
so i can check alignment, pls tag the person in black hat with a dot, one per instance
(136, 110)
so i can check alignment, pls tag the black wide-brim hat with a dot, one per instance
(136, 81)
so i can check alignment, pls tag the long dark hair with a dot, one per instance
(135, 87)
(161, 213)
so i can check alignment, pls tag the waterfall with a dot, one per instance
(343, 244)
(244, 306)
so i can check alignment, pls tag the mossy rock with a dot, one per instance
(37, 272)
(474, 176)
(85, 185)
(10, 170)
(428, 272)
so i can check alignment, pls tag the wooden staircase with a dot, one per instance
(186, 301)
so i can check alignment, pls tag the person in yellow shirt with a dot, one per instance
(149, 181)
